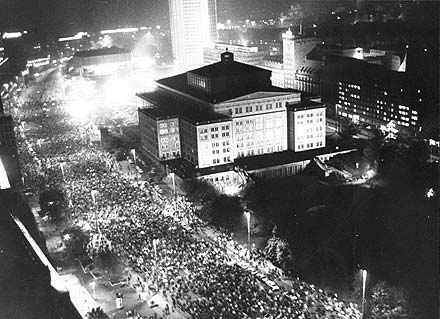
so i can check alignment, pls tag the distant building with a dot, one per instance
(295, 50)
(244, 54)
(275, 65)
(193, 27)
(372, 94)
(100, 61)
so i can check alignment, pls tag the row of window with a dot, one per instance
(268, 106)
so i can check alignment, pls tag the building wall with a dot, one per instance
(188, 141)
(148, 133)
(7, 135)
(250, 56)
(277, 77)
(377, 106)
(192, 28)
(168, 138)
(291, 168)
(259, 125)
(308, 129)
(214, 144)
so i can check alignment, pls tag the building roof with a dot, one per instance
(229, 68)
(166, 107)
(281, 158)
(304, 105)
(178, 83)
(103, 51)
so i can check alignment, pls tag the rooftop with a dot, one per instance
(281, 158)
(104, 51)
(226, 68)
(304, 105)
(167, 107)
(179, 83)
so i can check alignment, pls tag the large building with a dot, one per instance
(100, 61)
(8, 148)
(244, 54)
(193, 27)
(214, 116)
(295, 50)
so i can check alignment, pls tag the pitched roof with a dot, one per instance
(178, 84)
(227, 68)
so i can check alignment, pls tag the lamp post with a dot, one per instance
(364, 284)
(93, 284)
(248, 219)
(134, 160)
(155, 242)
(62, 169)
(94, 193)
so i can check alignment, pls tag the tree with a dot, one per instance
(199, 190)
(278, 251)
(76, 241)
(348, 131)
(388, 302)
(52, 201)
(97, 313)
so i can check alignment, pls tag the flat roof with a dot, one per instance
(304, 105)
(167, 108)
(102, 51)
(286, 157)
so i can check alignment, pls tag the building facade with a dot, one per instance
(244, 54)
(193, 26)
(306, 125)
(295, 50)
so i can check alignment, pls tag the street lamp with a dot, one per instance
(364, 284)
(94, 192)
(93, 284)
(134, 155)
(248, 219)
(174, 182)
(62, 169)
(155, 242)
(134, 160)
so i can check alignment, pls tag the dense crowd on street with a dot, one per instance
(158, 234)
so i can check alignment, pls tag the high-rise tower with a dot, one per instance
(295, 50)
(193, 27)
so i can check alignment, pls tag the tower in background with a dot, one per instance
(193, 27)
(295, 50)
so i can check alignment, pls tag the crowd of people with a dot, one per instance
(159, 235)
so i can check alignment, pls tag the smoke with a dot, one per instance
(104, 42)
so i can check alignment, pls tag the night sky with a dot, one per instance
(69, 16)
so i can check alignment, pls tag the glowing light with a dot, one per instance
(121, 30)
(12, 35)
(430, 193)
(77, 36)
(4, 181)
